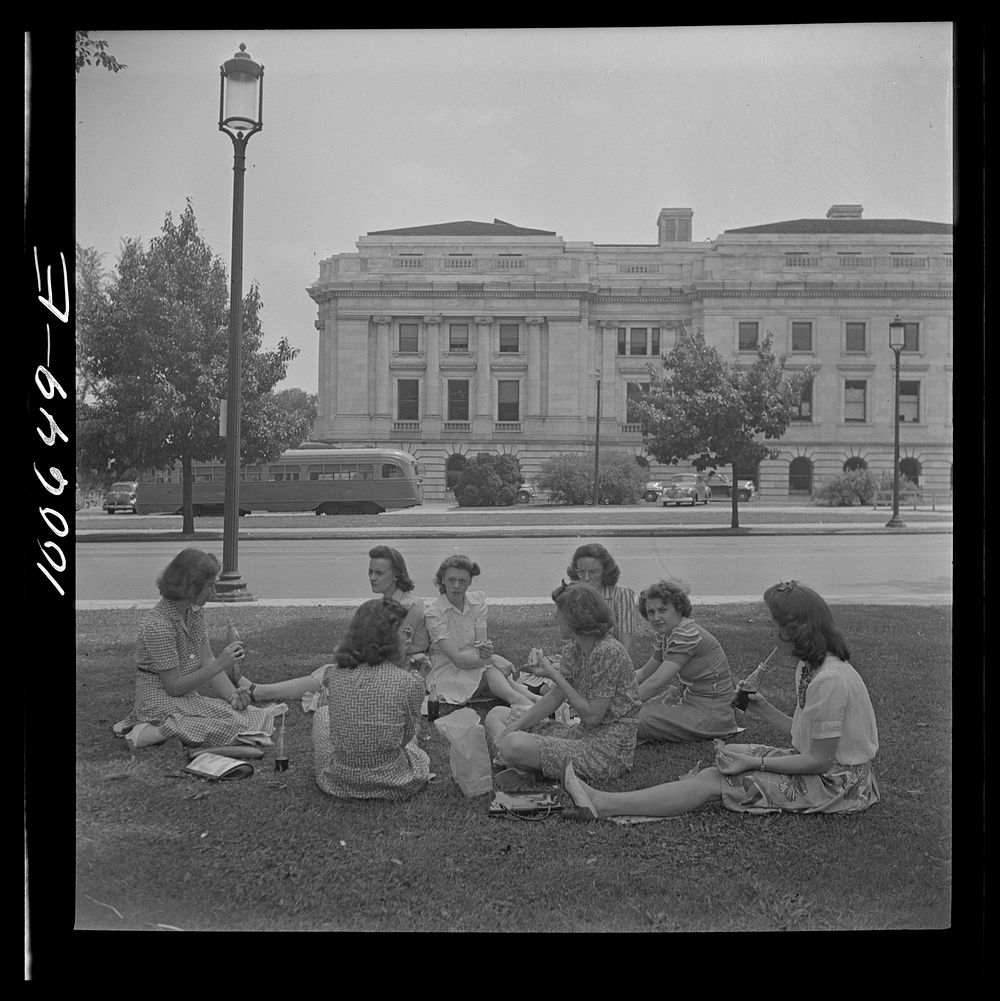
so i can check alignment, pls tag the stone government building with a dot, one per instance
(452, 339)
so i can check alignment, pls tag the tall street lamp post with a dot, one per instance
(897, 337)
(241, 106)
(597, 444)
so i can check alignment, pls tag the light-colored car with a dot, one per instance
(722, 486)
(525, 493)
(652, 490)
(121, 497)
(685, 488)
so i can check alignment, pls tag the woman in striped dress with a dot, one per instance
(594, 566)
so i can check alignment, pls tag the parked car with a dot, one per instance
(652, 490)
(121, 497)
(685, 488)
(525, 493)
(722, 486)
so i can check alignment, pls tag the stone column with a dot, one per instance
(484, 328)
(534, 373)
(432, 352)
(383, 405)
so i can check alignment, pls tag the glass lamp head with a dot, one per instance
(241, 95)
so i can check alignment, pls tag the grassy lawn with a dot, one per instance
(272, 852)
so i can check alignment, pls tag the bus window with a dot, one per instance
(203, 474)
(279, 474)
(366, 471)
(251, 473)
(391, 470)
(347, 471)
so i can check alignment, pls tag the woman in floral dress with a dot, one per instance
(828, 768)
(364, 740)
(595, 676)
(685, 686)
(175, 660)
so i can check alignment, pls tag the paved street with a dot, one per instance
(886, 569)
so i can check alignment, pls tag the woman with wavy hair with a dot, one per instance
(594, 675)
(463, 664)
(388, 577)
(828, 768)
(175, 660)
(594, 566)
(685, 686)
(364, 739)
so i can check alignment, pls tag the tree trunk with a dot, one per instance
(187, 516)
(735, 499)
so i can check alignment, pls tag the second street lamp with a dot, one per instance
(241, 106)
(597, 444)
(897, 339)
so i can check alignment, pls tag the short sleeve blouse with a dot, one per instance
(837, 704)
(169, 640)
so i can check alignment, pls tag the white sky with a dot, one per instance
(585, 131)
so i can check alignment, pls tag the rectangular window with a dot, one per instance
(458, 399)
(279, 474)
(638, 340)
(510, 337)
(458, 337)
(635, 392)
(508, 400)
(747, 333)
(909, 401)
(407, 338)
(854, 399)
(408, 399)
(911, 337)
(804, 410)
(854, 337)
(802, 337)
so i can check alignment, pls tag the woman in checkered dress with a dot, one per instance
(364, 739)
(596, 677)
(175, 660)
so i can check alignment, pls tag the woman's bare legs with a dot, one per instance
(510, 691)
(519, 749)
(666, 800)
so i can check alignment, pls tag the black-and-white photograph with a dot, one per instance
(514, 477)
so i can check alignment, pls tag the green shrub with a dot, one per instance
(569, 478)
(489, 480)
(849, 489)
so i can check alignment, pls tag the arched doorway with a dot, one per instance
(453, 467)
(855, 462)
(911, 469)
(800, 474)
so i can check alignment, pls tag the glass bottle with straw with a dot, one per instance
(750, 684)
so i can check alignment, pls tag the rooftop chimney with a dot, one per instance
(674, 226)
(844, 212)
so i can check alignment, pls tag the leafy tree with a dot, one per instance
(90, 50)
(298, 402)
(568, 478)
(713, 413)
(489, 480)
(153, 349)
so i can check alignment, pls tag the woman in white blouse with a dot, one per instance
(463, 664)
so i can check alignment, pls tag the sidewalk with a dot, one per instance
(432, 521)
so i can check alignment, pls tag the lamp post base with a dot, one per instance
(894, 522)
(232, 587)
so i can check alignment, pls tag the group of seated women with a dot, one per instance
(399, 647)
